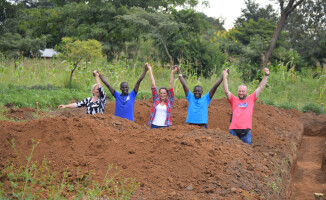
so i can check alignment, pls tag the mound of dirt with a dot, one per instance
(179, 162)
(21, 113)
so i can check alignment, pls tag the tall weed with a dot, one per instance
(18, 85)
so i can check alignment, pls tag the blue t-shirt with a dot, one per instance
(198, 109)
(124, 105)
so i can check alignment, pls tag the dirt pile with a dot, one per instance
(180, 162)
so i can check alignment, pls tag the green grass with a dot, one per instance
(27, 179)
(45, 81)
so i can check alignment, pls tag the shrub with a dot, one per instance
(286, 105)
(311, 107)
(268, 102)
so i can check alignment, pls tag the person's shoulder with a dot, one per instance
(190, 95)
(232, 98)
(206, 95)
(252, 95)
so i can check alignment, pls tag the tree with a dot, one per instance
(15, 46)
(155, 5)
(76, 51)
(254, 12)
(285, 12)
(158, 25)
(6, 10)
(306, 28)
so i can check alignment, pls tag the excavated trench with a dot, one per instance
(309, 172)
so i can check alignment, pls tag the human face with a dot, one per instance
(242, 92)
(198, 92)
(96, 92)
(124, 88)
(163, 94)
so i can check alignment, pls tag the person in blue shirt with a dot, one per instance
(125, 101)
(198, 104)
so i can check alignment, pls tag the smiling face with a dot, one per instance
(198, 91)
(124, 88)
(242, 92)
(163, 93)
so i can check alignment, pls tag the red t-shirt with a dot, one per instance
(242, 111)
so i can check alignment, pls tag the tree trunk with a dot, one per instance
(272, 44)
(167, 52)
(285, 12)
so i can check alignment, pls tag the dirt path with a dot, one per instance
(308, 177)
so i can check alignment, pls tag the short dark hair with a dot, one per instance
(123, 83)
(198, 86)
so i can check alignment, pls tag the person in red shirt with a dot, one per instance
(242, 107)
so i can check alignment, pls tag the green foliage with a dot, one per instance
(254, 12)
(43, 81)
(306, 31)
(14, 45)
(33, 180)
(177, 34)
(312, 107)
(76, 51)
(287, 105)
(263, 28)
(46, 96)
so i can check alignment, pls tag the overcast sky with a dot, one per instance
(230, 10)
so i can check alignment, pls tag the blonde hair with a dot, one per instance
(93, 87)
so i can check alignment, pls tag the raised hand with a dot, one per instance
(96, 73)
(266, 71)
(149, 66)
(226, 72)
(146, 66)
(175, 69)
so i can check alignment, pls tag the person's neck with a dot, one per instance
(95, 98)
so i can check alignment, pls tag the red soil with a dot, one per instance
(179, 162)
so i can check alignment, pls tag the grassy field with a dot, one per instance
(27, 81)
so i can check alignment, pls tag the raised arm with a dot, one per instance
(106, 83)
(225, 83)
(183, 82)
(262, 83)
(174, 70)
(141, 78)
(151, 75)
(213, 90)
(97, 77)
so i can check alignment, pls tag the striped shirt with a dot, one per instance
(169, 103)
(94, 107)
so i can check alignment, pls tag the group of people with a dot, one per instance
(163, 99)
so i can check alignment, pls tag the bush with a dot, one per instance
(312, 107)
(286, 105)
(268, 102)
